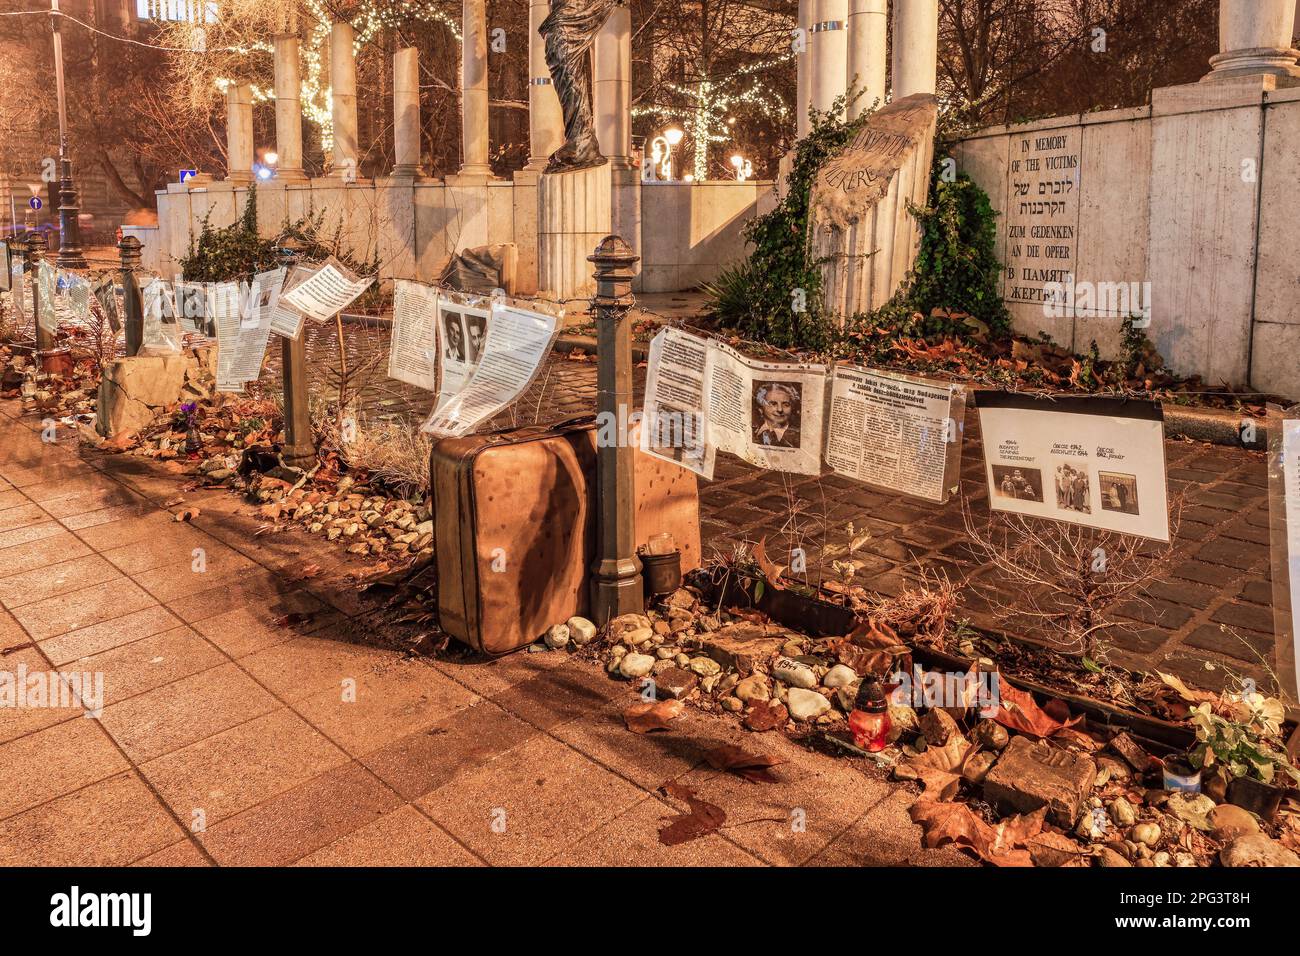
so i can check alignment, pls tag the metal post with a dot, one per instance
(36, 249)
(70, 256)
(133, 306)
(299, 448)
(616, 576)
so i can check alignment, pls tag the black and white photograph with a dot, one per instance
(776, 412)
(1118, 492)
(1018, 484)
(1072, 489)
(453, 339)
(476, 326)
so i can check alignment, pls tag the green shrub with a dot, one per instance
(236, 252)
(957, 271)
(759, 297)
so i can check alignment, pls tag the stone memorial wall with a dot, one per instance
(1180, 213)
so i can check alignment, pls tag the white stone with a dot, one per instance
(581, 631)
(635, 665)
(1257, 850)
(841, 675)
(806, 704)
(794, 673)
(557, 636)
(704, 667)
(753, 688)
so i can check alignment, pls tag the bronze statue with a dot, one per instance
(570, 30)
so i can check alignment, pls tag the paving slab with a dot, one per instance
(55, 761)
(551, 797)
(241, 767)
(404, 837)
(109, 823)
(186, 711)
(301, 820)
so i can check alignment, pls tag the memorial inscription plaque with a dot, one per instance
(1042, 219)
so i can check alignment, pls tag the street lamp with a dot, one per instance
(661, 152)
(70, 256)
(744, 168)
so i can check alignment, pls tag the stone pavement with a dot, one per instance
(1214, 606)
(251, 717)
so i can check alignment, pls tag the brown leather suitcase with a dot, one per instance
(515, 528)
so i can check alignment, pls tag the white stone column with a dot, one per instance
(612, 89)
(239, 133)
(406, 113)
(803, 76)
(916, 47)
(868, 30)
(288, 111)
(343, 97)
(1255, 39)
(545, 118)
(830, 51)
(474, 90)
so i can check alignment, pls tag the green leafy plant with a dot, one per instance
(238, 252)
(1244, 737)
(774, 296)
(232, 252)
(953, 287)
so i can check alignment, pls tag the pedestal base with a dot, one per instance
(573, 216)
(1263, 61)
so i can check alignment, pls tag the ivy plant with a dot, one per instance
(774, 295)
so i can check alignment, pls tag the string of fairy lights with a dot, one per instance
(710, 118)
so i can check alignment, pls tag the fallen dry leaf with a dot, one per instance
(872, 648)
(1052, 849)
(1018, 711)
(938, 768)
(756, 768)
(1001, 845)
(766, 715)
(771, 570)
(645, 716)
(289, 620)
(704, 817)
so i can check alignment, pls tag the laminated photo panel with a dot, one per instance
(893, 431)
(1097, 462)
(1284, 523)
